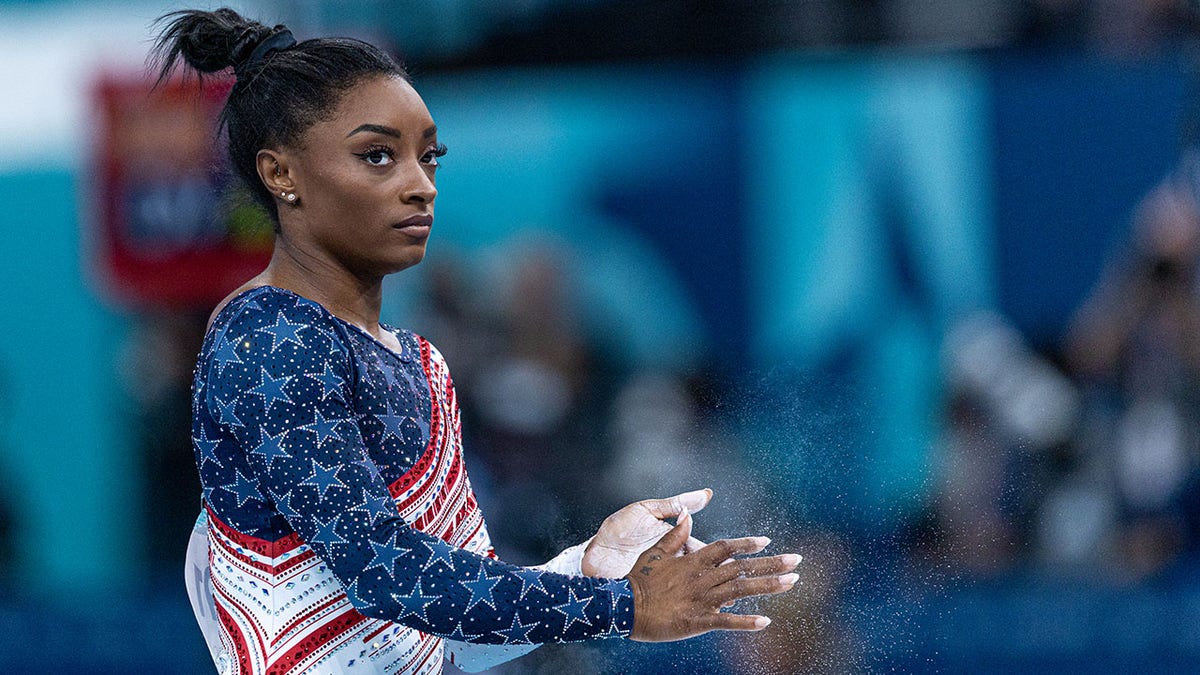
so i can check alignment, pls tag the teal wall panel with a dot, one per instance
(64, 459)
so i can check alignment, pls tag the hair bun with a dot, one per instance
(252, 50)
(207, 41)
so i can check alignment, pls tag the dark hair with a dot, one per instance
(277, 96)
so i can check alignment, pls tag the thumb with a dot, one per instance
(695, 500)
(672, 542)
(675, 506)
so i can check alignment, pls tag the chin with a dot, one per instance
(410, 259)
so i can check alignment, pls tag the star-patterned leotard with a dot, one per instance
(343, 533)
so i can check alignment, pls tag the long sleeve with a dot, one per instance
(282, 382)
(474, 658)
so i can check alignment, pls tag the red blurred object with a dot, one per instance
(169, 230)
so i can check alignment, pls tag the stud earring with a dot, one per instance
(290, 196)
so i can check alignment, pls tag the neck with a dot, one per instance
(355, 298)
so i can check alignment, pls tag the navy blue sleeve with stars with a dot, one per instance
(279, 420)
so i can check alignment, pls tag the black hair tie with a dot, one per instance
(280, 38)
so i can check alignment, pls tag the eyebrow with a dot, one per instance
(389, 131)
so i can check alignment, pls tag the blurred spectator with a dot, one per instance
(1135, 350)
(1128, 27)
(1008, 414)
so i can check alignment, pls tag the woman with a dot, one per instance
(343, 535)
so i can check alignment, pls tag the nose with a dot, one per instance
(419, 186)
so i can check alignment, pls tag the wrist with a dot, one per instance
(639, 609)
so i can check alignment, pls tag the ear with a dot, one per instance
(273, 171)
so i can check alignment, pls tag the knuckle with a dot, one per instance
(724, 548)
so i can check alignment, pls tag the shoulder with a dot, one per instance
(276, 328)
(272, 310)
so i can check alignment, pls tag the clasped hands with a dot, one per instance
(679, 583)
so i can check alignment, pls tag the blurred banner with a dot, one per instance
(172, 229)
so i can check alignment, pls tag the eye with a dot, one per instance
(376, 155)
(430, 158)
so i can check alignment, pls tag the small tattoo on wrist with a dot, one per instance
(646, 570)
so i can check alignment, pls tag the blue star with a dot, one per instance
(369, 464)
(324, 429)
(386, 555)
(226, 413)
(331, 338)
(243, 487)
(459, 636)
(423, 425)
(327, 532)
(352, 595)
(573, 610)
(617, 588)
(270, 447)
(481, 589)
(271, 390)
(331, 382)
(439, 553)
(518, 632)
(415, 602)
(389, 376)
(530, 580)
(393, 424)
(284, 505)
(375, 505)
(225, 354)
(207, 448)
(612, 631)
(323, 478)
(284, 331)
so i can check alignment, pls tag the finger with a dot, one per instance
(672, 542)
(755, 567)
(673, 506)
(718, 551)
(736, 589)
(695, 500)
(720, 621)
(693, 544)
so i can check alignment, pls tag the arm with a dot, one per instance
(308, 458)
(611, 553)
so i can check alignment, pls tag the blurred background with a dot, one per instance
(911, 284)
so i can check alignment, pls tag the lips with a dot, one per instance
(416, 226)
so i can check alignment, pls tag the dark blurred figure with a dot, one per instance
(1120, 27)
(1134, 347)
(1009, 414)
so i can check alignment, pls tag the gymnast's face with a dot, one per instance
(365, 180)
